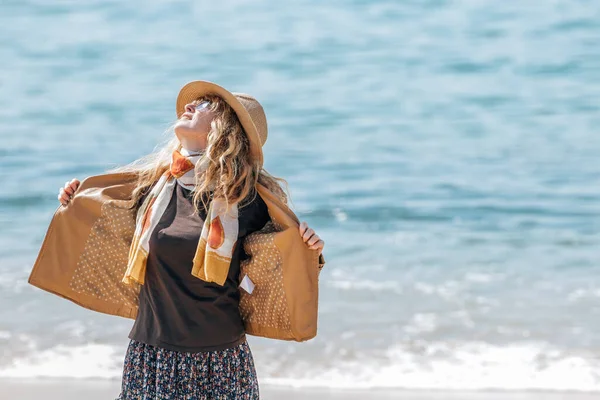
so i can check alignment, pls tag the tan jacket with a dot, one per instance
(84, 255)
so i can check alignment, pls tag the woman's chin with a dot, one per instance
(183, 129)
(189, 138)
(182, 125)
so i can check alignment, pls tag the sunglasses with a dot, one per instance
(202, 105)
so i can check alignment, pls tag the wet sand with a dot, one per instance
(77, 389)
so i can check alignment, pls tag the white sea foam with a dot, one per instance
(468, 366)
(12, 283)
(340, 215)
(578, 294)
(447, 290)
(87, 361)
(421, 323)
(480, 277)
(365, 285)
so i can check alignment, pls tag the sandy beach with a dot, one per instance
(28, 389)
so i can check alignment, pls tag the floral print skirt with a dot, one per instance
(151, 372)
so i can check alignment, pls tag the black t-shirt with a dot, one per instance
(178, 311)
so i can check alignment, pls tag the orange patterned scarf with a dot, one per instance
(219, 231)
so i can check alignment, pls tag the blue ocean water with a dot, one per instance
(446, 151)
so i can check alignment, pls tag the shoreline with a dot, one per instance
(97, 389)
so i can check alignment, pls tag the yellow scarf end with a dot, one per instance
(136, 270)
(211, 267)
(130, 281)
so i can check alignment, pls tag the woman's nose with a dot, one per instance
(190, 108)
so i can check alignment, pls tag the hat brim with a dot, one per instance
(192, 90)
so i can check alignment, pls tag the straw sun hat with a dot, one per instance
(247, 108)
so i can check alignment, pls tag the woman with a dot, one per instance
(188, 339)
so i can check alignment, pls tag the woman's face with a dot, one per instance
(193, 126)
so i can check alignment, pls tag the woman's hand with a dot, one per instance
(311, 238)
(65, 193)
